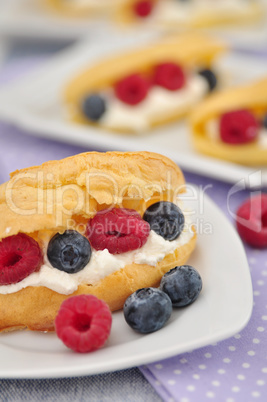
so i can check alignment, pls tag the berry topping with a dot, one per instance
(251, 221)
(182, 285)
(69, 252)
(210, 77)
(118, 230)
(264, 121)
(93, 107)
(83, 323)
(238, 127)
(132, 90)
(169, 76)
(166, 219)
(143, 8)
(20, 256)
(147, 310)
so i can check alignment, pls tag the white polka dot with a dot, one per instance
(252, 260)
(183, 361)
(237, 336)
(260, 329)
(226, 360)
(208, 355)
(235, 389)
(264, 318)
(202, 366)
(256, 340)
(261, 382)
(230, 400)
(251, 353)
(216, 383)
(185, 400)
(256, 293)
(171, 400)
(246, 365)
(196, 376)
(232, 348)
(264, 273)
(221, 371)
(158, 366)
(264, 369)
(210, 394)
(260, 282)
(171, 382)
(241, 377)
(255, 394)
(177, 371)
(190, 388)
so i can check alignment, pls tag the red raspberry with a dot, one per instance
(238, 127)
(20, 256)
(83, 323)
(118, 230)
(169, 76)
(143, 8)
(251, 221)
(132, 89)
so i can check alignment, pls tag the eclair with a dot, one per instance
(177, 15)
(81, 8)
(140, 89)
(104, 224)
(232, 124)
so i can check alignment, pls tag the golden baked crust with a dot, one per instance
(35, 190)
(252, 97)
(191, 50)
(76, 9)
(208, 17)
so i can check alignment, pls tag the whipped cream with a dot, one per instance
(213, 132)
(101, 264)
(159, 102)
(173, 11)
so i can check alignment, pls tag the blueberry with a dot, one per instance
(182, 284)
(69, 252)
(166, 219)
(93, 107)
(264, 121)
(210, 77)
(147, 310)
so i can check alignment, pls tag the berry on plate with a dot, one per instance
(69, 252)
(83, 323)
(182, 284)
(147, 310)
(118, 229)
(132, 89)
(210, 77)
(238, 127)
(166, 219)
(20, 256)
(93, 107)
(251, 221)
(143, 8)
(170, 76)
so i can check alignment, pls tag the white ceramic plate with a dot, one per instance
(35, 105)
(222, 309)
(29, 19)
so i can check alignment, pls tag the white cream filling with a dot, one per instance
(159, 102)
(182, 11)
(213, 133)
(102, 263)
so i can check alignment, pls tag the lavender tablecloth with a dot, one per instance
(234, 370)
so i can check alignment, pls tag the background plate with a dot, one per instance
(35, 105)
(222, 309)
(28, 19)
